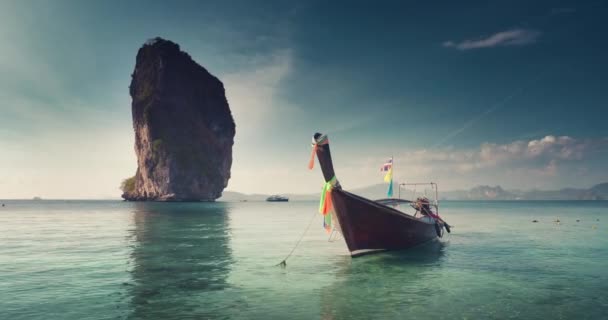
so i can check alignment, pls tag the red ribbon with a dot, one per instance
(311, 163)
(327, 206)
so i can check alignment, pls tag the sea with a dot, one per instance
(122, 260)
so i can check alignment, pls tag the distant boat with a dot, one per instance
(277, 198)
(36, 198)
(369, 226)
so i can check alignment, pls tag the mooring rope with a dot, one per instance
(284, 262)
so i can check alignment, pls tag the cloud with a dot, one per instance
(513, 37)
(551, 169)
(545, 151)
(521, 163)
(262, 115)
(253, 94)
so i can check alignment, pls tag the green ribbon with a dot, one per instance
(326, 187)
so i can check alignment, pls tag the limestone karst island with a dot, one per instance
(184, 130)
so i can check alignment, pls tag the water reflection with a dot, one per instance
(376, 285)
(181, 254)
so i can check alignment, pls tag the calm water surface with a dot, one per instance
(117, 260)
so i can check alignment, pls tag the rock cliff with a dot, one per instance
(184, 130)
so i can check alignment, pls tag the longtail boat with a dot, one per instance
(370, 226)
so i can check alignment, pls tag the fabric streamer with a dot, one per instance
(311, 163)
(326, 205)
(315, 145)
(327, 224)
(389, 175)
(389, 178)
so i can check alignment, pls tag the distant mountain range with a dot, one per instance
(377, 191)
(597, 192)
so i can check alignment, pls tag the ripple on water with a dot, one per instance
(96, 260)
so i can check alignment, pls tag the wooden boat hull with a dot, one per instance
(368, 226)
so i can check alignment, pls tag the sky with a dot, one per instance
(463, 93)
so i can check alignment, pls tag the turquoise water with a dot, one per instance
(118, 260)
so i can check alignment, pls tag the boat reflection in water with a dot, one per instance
(391, 285)
(181, 258)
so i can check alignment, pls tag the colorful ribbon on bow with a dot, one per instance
(326, 205)
(311, 163)
(315, 146)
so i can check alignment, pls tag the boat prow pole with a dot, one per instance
(321, 148)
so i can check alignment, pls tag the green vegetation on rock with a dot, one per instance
(128, 185)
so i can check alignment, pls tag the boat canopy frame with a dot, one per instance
(434, 187)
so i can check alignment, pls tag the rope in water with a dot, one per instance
(325, 203)
(284, 262)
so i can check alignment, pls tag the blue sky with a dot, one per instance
(463, 93)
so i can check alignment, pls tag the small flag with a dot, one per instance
(388, 177)
(387, 166)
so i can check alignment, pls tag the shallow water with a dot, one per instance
(118, 260)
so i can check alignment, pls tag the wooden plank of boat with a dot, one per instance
(370, 226)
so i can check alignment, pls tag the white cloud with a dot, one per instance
(513, 37)
(548, 148)
(255, 98)
(253, 93)
(521, 164)
(551, 169)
